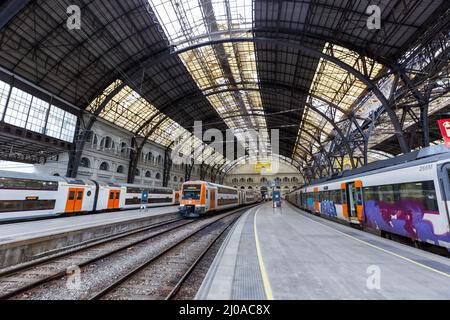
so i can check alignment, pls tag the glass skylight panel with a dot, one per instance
(222, 71)
(186, 22)
(336, 85)
(131, 111)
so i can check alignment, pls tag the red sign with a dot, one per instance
(444, 125)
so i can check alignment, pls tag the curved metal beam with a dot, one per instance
(160, 58)
(324, 116)
(311, 51)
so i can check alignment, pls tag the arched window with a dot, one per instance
(95, 141)
(104, 166)
(56, 174)
(137, 172)
(150, 156)
(277, 179)
(181, 179)
(263, 180)
(158, 176)
(148, 174)
(249, 180)
(235, 180)
(159, 159)
(242, 187)
(285, 179)
(235, 187)
(175, 179)
(242, 180)
(107, 142)
(294, 179)
(85, 163)
(120, 169)
(250, 187)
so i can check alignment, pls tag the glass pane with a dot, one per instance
(37, 115)
(55, 122)
(18, 108)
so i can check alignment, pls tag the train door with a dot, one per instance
(74, 200)
(354, 201)
(114, 199)
(117, 199)
(212, 199)
(316, 200)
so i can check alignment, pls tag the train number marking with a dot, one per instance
(426, 167)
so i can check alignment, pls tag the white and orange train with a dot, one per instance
(201, 197)
(26, 196)
(408, 196)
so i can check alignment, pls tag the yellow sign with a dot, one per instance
(263, 167)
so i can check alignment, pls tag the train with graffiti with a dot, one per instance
(199, 198)
(407, 196)
(26, 196)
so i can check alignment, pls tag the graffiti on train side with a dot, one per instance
(406, 218)
(328, 207)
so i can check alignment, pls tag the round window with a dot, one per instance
(89, 193)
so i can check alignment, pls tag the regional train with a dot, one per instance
(407, 196)
(26, 196)
(198, 198)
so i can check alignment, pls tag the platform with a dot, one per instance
(26, 241)
(285, 253)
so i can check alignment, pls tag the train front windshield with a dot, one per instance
(191, 192)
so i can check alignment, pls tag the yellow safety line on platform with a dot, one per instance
(262, 268)
(381, 249)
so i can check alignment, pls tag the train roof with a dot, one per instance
(34, 176)
(425, 155)
(210, 183)
(143, 186)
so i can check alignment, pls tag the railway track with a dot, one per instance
(48, 280)
(18, 280)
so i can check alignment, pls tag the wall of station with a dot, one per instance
(106, 158)
(246, 176)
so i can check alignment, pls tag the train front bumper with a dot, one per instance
(192, 211)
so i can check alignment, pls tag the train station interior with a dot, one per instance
(225, 150)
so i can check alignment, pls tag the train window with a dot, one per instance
(71, 195)
(386, 193)
(133, 201)
(27, 184)
(26, 205)
(421, 192)
(338, 196)
(191, 191)
(343, 196)
(80, 195)
(117, 195)
(10, 205)
(111, 195)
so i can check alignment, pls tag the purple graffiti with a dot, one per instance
(404, 217)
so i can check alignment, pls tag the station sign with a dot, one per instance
(144, 197)
(444, 125)
(263, 167)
